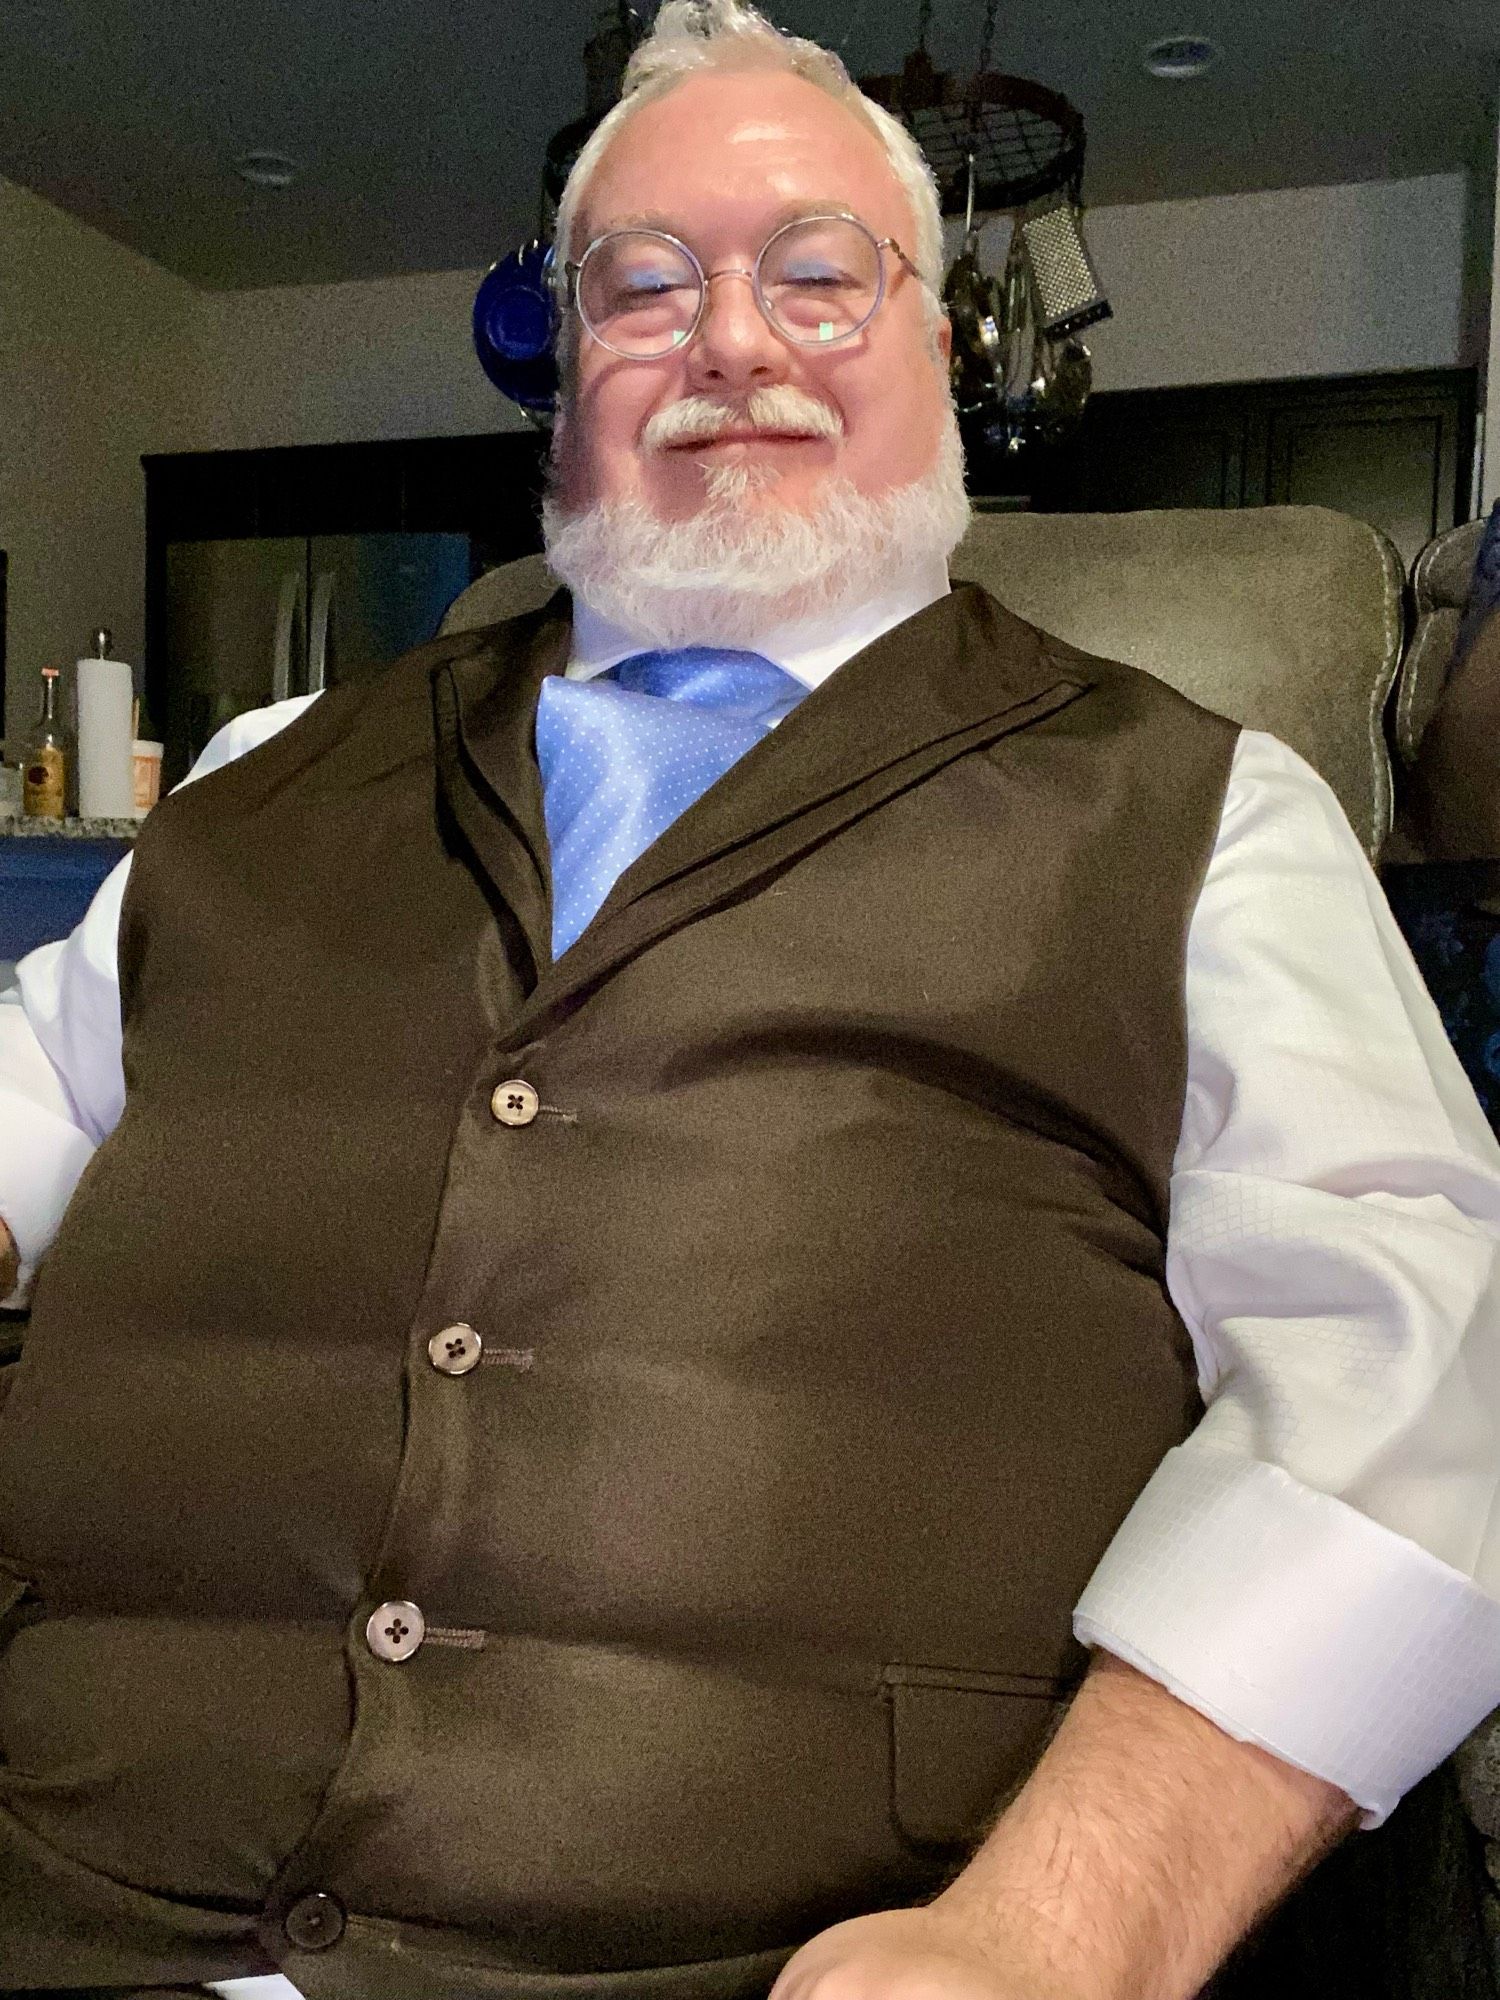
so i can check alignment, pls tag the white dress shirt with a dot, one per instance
(1317, 1567)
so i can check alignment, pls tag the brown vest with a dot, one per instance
(825, 1340)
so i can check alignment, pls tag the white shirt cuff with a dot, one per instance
(258, 1986)
(1296, 1623)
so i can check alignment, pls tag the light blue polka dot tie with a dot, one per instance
(623, 755)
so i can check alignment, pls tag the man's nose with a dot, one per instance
(735, 346)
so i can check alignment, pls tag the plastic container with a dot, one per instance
(146, 768)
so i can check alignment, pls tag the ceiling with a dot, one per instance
(419, 128)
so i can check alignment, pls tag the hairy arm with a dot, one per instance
(1143, 1847)
(1147, 1842)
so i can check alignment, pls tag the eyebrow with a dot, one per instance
(658, 220)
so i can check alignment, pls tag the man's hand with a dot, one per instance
(10, 1262)
(911, 1955)
(1143, 1847)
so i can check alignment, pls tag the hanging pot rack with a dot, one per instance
(994, 142)
(1027, 141)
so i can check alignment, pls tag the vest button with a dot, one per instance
(394, 1630)
(514, 1102)
(455, 1350)
(314, 1922)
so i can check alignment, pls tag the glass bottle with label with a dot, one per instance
(44, 772)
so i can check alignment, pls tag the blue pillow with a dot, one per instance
(1484, 587)
(1455, 939)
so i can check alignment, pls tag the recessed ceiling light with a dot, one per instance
(1177, 57)
(266, 170)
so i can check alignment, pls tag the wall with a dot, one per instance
(1303, 281)
(1306, 281)
(317, 364)
(93, 340)
(1299, 281)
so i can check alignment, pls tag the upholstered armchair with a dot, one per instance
(1284, 618)
(1440, 591)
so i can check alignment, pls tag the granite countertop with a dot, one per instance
(20, 826)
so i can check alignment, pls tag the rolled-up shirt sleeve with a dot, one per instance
(62, 1087)
(1317, 1567)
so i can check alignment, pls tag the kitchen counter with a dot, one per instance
(18, 826)
(50, 870)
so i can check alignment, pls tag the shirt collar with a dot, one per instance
(809, 649)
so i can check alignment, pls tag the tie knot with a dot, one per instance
(713, 677)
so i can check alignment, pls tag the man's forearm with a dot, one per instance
(1143, 1847)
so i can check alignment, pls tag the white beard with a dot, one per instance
(729, 574)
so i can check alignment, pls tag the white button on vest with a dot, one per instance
(394, 1630)
(514, 1102)
(455, 1350)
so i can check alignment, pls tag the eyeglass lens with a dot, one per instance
(819, 280)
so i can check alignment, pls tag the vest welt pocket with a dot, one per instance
(961, 1742)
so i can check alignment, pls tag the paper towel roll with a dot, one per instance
(106, 771)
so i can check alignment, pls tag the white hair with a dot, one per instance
(699, 37)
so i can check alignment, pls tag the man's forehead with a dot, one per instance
(771, 142)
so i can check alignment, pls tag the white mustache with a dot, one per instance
(780, 410)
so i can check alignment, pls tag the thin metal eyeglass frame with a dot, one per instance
(574, 273)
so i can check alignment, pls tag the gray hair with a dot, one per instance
(698, 37)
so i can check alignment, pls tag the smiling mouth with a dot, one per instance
(717, 438)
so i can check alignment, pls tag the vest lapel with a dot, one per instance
(484, 714)
(959, 675)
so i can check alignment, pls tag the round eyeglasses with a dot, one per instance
(818, 280)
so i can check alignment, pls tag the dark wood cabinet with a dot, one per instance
(1401, 462)
(1394, 450)
(1157, 449)
(487, 485)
